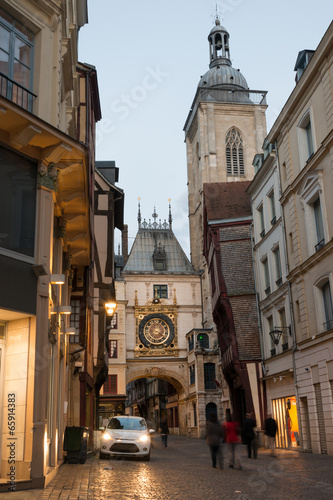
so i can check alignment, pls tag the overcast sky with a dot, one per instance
(149, 57)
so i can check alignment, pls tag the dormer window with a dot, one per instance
(159, 258)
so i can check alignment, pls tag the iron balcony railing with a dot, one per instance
(15, 92)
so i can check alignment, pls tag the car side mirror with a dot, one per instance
(151, 431)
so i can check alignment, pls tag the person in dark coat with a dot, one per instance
(164, 430)
(214, 432)
(270, 432)
(249, 437)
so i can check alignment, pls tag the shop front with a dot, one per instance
(285, 414)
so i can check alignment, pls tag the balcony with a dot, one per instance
(273, 352)
(268, 290)
(262, 234)
(273, 221)
(278, 281)
(16, 93)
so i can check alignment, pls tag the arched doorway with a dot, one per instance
(211, 409)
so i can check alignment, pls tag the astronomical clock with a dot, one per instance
(156, 329)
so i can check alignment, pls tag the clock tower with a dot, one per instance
(225, 128)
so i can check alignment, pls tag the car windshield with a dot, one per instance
(128, 424)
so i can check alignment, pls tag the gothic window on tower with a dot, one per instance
(234, 153)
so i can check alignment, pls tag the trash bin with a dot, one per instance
(76, 444)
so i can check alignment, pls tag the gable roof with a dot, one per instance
(149, 240)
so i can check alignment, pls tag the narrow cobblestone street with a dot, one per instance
(183, 471)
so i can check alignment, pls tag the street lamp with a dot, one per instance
(110, 308)
(277, 332)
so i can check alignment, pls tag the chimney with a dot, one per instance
(124, 243)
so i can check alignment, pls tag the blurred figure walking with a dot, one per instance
(214, 432)
(164, 430)
(232, 438)
(270, 432)
(249, 436)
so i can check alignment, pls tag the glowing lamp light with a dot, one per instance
(110, 308)
(57, 279)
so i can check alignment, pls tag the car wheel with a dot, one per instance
(102, 455)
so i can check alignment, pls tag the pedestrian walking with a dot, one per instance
(232, 438)
(164, 430)
(214, 432)
(270, 432)
(249, 437)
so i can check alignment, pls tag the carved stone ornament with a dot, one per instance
(48, 176)
(155, 371)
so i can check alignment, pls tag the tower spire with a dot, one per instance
(139, 213)
(170, 216)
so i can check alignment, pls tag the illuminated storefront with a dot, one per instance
(285, 414)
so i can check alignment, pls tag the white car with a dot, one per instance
(126, 436)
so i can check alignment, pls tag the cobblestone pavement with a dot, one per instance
(183, 471)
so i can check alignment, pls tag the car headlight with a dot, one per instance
(143, 439)
(106, 436)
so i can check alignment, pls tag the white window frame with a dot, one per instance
(319, 300)
(306, 147)
(310, 192)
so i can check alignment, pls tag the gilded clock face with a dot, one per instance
(156, 331)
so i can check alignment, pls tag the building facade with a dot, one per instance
(159, 296)
(297, 309)
(46, 179)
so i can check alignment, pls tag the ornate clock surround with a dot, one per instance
(156, 329)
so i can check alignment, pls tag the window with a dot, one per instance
(75, 319)
(16, 57)
(2, 331)
(114, 322)
(319, 225)
(234, 153)
(328, 309)
(277, 261)
(18, 187)
(203, 340)
(161, 291)
(209, 374)
(260, 211)
(266, 277)
(110, 386)
(272, 207)
(305, 139)
(192, 374)
(190, 343)
(113, 349)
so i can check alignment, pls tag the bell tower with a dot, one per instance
(224, 129)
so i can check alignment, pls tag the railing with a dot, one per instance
(278, 282)
(268, 290)
(273, 221)
(238, 96)
(15, 92)
(273, 352)
(262, 234)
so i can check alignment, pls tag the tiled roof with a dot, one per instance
(140, 259)
(227, 200)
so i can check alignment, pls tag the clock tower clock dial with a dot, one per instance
(156, 330)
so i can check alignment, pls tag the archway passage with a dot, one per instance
(155, 399)
(211, 409)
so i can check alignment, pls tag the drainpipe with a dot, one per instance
(291, 308)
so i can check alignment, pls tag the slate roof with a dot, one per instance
(227, 200)
(140, 260)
